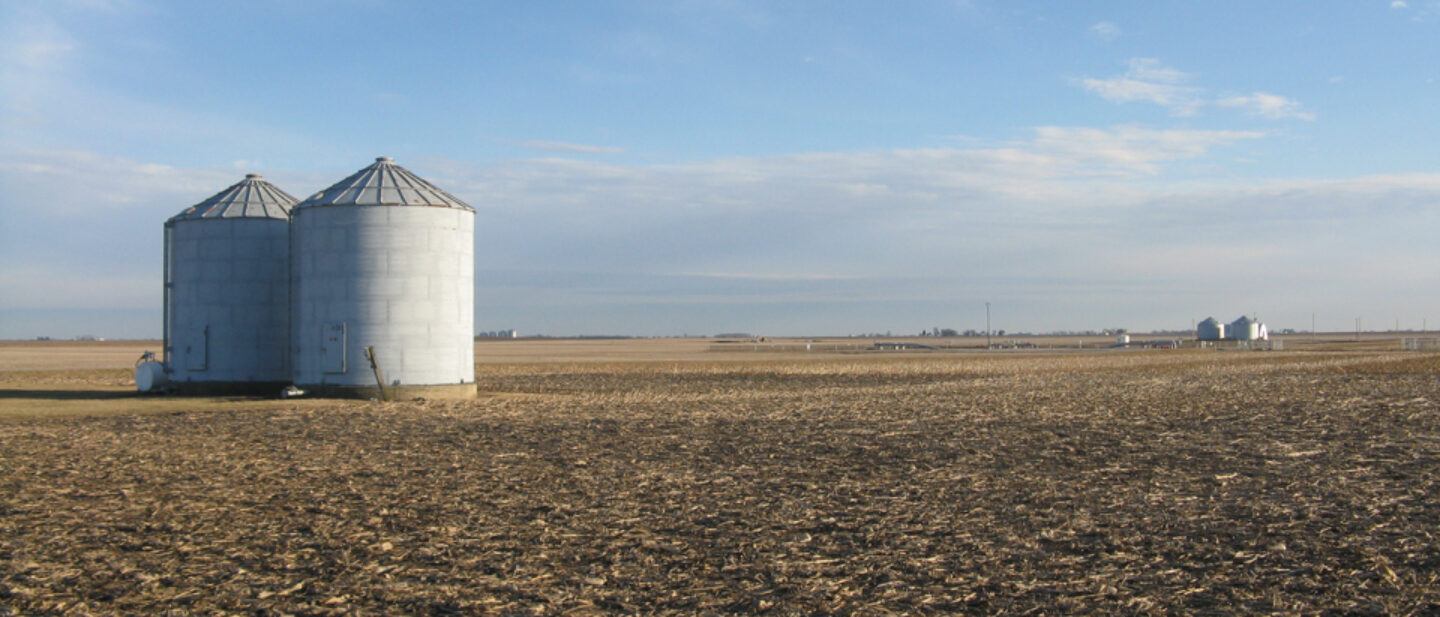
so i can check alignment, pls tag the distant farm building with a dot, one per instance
(1242, 329)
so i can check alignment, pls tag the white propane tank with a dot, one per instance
(150, 377)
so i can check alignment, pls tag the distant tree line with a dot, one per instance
(951, 332)
(498, 334)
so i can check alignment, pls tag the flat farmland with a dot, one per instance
(620, 482)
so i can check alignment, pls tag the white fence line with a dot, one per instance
(1413, 343)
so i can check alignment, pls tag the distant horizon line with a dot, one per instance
(1006, 334)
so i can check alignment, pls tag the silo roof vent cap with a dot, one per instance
(384, 159)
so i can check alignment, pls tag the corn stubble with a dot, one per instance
(1143, 483)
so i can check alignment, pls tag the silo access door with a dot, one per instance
(332, 348)
(197, 349)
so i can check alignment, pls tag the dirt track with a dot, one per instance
(1152, 483)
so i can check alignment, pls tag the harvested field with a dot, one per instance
(71, 355)
(1127, 483)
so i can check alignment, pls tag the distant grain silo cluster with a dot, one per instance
(364, 289)
(1242, 329)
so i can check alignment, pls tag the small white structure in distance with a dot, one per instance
(1210, 330)
(227, 302)
(385, 260)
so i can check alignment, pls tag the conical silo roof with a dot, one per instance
(252, 198)
(384, 184)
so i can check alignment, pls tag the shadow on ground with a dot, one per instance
(67, 395)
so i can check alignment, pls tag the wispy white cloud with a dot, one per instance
(1132, 149)
(794, 215)
(40, 285)
(37, 47)
(102, 6)
(82, 182)
(766, 276)
(1425, 12)
(1267, 105)
(750, 14)
(35, 55)
(573, 148)
(1147, 80)
(1399, 4)
(39, 56)
(1055, 219)
(1106, 31)
(1050, 226)
(48, 99)
(84, 229)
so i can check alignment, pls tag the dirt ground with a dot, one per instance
(1189, 482)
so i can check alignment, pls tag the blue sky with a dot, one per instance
(789, 168)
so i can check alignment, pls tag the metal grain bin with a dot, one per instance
(1210, 330)
(227, 302)
(1245, 329)
(383, 260)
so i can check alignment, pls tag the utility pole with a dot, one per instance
(987, 326)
